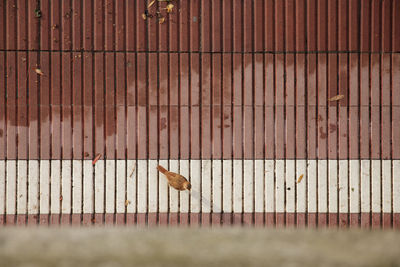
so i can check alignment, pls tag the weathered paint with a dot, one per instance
(235, 95)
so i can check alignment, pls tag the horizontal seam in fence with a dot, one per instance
(200, 52)
(181, 106)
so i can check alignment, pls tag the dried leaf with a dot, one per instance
(96, 159)
(39, 71)
(127, 202)
(144, 16)
(151, 3)
(169, 8)
(133, 170)
(61, 198)
(336, 98)
(300, 178)
(161, 20)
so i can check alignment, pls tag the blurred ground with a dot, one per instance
(196, 247)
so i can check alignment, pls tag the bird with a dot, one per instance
(175, 180)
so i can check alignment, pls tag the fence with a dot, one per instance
(278, 112)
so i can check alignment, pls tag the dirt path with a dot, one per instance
(196, 247)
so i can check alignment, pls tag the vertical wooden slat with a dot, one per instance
(300, 111)
(77, 116)
(237, 110)
(269, 99)
(22, 109)
(322, 9)
(174, 90)
(195, 202)
(226, 126)
(248, 112)
(365, 22)
(353, 102)
(332, 90)
(44, 109)
(142, 101)
(152, 112)
(269, 192)
(3, 150)
(55, 94)
(185, 195)
(173, 196)
(342, 120)
(33, 101)
(194, 110)
(279, 111)
(99, 137)
(110, 123)
(290, 98)
(131, 119)
(87, 107)
(163, 121)
(205, 105)
(395, 72)
(312, 115)
(11, 118)
(184, 123)
(259, 130)
(120, 109)
(152, 192)
(375, 112)
(386, 136)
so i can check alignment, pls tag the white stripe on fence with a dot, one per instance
(65, 186)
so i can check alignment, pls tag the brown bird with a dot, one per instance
(175, 180)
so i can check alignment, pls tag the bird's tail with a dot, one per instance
(161, 169)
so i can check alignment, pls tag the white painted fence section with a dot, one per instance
(119, 186)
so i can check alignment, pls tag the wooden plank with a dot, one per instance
(142, 186)
(110, 186)
(290, 191)
(248, 186)
(237, 186)
(131, 185)
(322, 189)
(88, 185)
(259, 200)
(121, 177)
(2, 190)
(163, 189)
(206, 184)
(376, 192)
(11, 190)
(217, 195)
(365, 192)
(312, 178)
(76, 186)
(55, 185)
(22, 194)
(99, 185)
(195, 178)
(152, 184)
(184, 168)
(344, 189)
(280, 186)
(269, 186)
(396, 193)
(386, 177)
(173, 193)
(301, 179)
(65, 198)
(227, 188)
